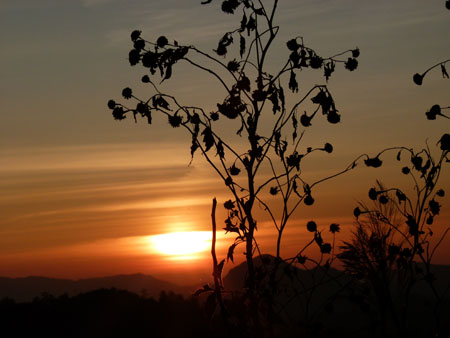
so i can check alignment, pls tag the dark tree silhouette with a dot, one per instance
(254, 97)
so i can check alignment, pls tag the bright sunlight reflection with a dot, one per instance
(182, 245)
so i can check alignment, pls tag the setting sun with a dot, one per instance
(181, 244)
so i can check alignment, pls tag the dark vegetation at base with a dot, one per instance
(104, 313)
(316, 303)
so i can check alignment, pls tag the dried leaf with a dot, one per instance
(294, 125)
(194, 146)
(243, 23)
(242, 46)
(231, 252)
(293, 84)
(168, 73)
(220, 268)
(282, 99)
(220, 150)
(251, 25)
(208, 138)
(444, 71)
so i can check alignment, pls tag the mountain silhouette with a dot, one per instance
(26, 288)
(235, 278)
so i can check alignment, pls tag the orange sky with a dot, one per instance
(80, 194)
(81, 213)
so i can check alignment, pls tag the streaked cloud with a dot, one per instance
(90, 3)
(179, 23)
(54, 191)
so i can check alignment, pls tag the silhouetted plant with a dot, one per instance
(418, 78)
(254, 97)
(392, 244)
(396, 234)
(370, 254)
(435, 110)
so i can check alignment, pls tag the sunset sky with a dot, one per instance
(81, 195)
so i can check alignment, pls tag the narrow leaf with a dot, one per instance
(208, 138)
(243, 23)
(220, 150)
(230, 252)
(242, 46)
(444, 72)
(194, 146)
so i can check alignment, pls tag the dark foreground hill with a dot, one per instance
(25, 289)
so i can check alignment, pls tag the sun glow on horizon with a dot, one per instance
(181, 245)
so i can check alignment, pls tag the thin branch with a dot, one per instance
(209, 71)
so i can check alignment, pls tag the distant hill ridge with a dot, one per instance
(235, 279)
(26, 288)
